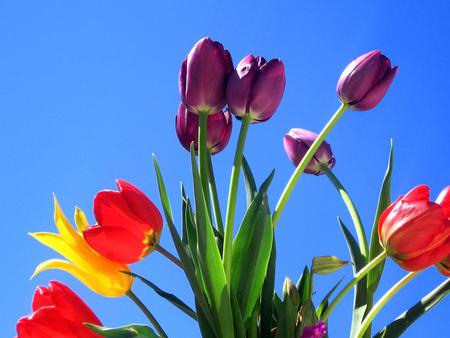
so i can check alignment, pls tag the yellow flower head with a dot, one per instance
(99, 273)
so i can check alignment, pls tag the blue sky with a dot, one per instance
(88, 90)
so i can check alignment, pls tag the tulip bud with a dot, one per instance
(256, 87)
(218, 132)
(365, 81)
(324, 265)
(128, 224)
(297, 142)
(290, 291)
(318, 330)
(414, 231)
(203, 77)
(57, 312)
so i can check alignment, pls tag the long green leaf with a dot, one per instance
(251, 252)
(407, 318)
(384, 200)
(250, 185)
(184, 257)
(266, 313)
(168, 296)
(129, 331)
(324, 303)
(210, 260)
(304, 286)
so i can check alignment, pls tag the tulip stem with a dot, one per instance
(215, 197)
(356, 278)
(362, 239)
(169, 256)
(383, 300)
(231, 203)
(203, 157)
(304, 163)
(147, 313)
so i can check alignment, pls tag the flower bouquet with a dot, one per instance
(230, 263)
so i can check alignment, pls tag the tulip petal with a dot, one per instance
(115, 243)
(426, 259)
(381, 222)
(444, 201)
(63, 225)
(80, 220)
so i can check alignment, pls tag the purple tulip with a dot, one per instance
(316, 331)
(217, 134)
(296, 144)
(256, 88)
(365, 81)
(203, 77)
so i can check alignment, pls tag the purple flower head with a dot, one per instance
(297, 142)
(316, 331)
(203, 77)
(256, 87)
(218, 129)
(366, 80)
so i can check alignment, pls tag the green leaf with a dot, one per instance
(210, 261)
(324, 303)
(184, 257)
(239, 325)
(266, 313)
(407, 318)
(384, 200)
(168, 296)
(130, 331)
(251, 252)
(323, 265)
(250, 185)
(277, 304)
(304, 286)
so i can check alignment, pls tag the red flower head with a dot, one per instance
(57, 312)
(444, 201)
(128, 224)
(414, 231)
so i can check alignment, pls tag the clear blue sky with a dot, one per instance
(88, 90)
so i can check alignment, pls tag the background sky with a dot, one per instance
(88, 90)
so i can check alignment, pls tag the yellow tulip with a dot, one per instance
(97, 272)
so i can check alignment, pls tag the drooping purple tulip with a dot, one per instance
(365, 81)
(256, 87)
(203, 77)
(297, 142)
(318, 330)
(218, 129)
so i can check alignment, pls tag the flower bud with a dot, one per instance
(297, 142)
(365, 81)
(414, 231)
(256, 87)
(128, 224)
(218, 132)
(290, 291)
(203, 77)
(318, 330)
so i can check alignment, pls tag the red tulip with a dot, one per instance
(128, 224)
(57, 312)
(414, 231)
(444, 201)
(444, 266)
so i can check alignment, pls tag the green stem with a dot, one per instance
(304, 162)
(231, 203)
(147, 313)
(203, 157)
(215, 197)
(383, 300)
(169, 256)
(362, 239)
(361, 273)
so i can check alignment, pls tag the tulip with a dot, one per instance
(297, 142)
(256, 88)
(97, 272)
(365, 81)
(444, 201)
(128, 224)
(318, 330)
(203, 77)
(218, 133)
(444, 266)
(414, 231)
(57, 312)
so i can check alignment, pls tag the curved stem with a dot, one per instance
(203, 157)
(231, 203)
(304, 162)
(147, 313)
(361, 273)
(362, 239)
(383, 300)
(215, 197)
(169, 256)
